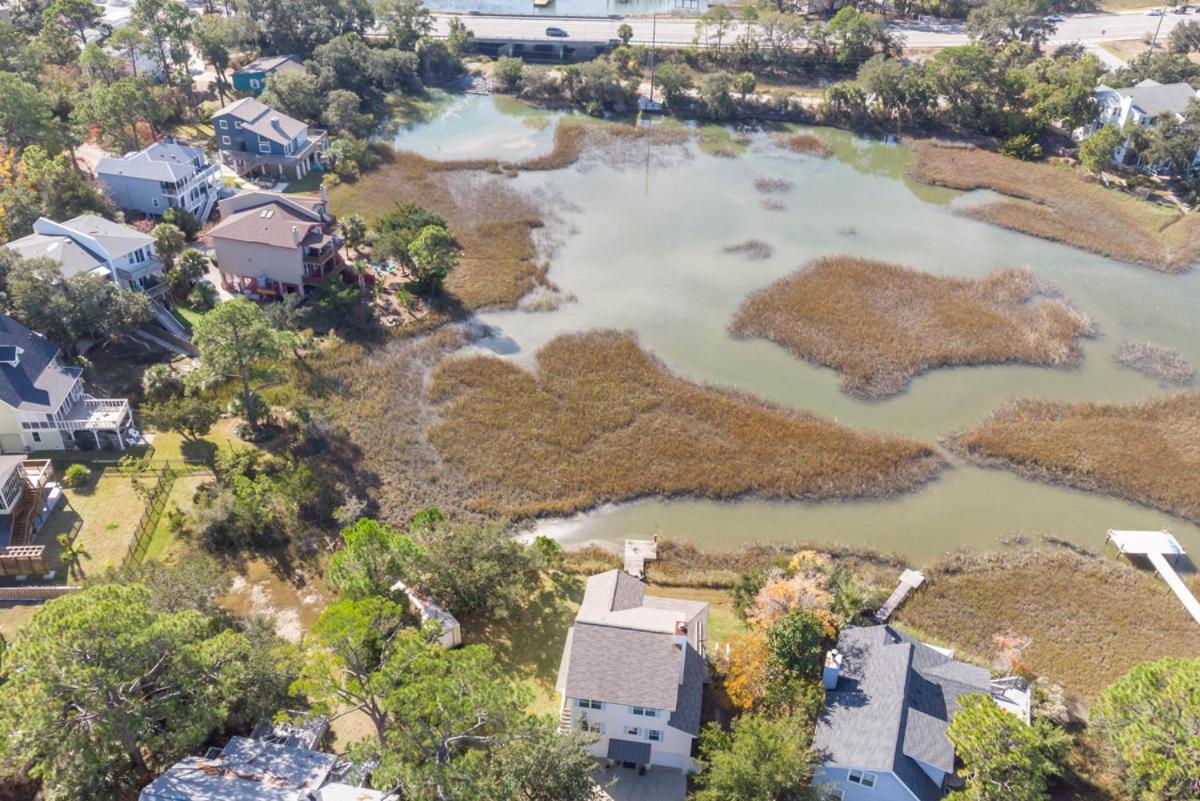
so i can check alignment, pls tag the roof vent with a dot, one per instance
(833, 669)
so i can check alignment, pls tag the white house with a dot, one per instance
(91, 244)
(1144, 105)
(633, 673)
(889, 701)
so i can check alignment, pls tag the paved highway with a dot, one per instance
(1086, 28)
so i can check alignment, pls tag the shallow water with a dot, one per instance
(568, 8)
(640, 247)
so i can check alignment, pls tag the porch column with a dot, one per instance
(120, 440)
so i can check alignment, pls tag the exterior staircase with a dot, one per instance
(564, 718)
(34, 475)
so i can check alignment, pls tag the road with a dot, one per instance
(1085, 28)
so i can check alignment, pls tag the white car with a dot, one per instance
(1154, 12)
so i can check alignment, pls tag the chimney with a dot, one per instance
(275, 122)
(833, 668)
(296, 235)
(680, 641)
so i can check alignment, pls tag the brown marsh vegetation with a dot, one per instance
(1148, 452)
(1156, 361)
(1083, 620)
(602, 420)
(751, 250)
(880, 324)
(806, 143)
(1056, 202)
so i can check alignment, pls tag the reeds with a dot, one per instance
(880, 324)
(1148, 452)
(1156, 361)
(602, 420)
(807, 144)
(1085, 619)
(751, 250)
(1055, 202)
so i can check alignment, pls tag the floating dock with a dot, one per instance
(909, 581)
(1156, 546)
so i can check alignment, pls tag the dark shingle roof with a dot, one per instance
(24, 385)
(894, 699)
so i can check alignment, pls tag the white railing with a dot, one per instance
(101, 413)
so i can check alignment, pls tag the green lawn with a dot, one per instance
(100, 516)
(163, 543)
(309, 184)
(189, 317)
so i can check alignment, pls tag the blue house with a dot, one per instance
(255, 139)
(163, 176)
(252, 78)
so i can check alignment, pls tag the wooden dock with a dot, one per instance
(1156, 546)
(637, 553)
(909, 581)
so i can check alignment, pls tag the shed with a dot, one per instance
(431, 610)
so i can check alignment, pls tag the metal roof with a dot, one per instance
(245, 770)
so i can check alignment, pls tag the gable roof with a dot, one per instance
(1153, 98)
(271, 63)
(270, 224)
(894, 700)
(31, 384)
(623, 650)
(81, 244)
(161, 161)
(115, 238)
(72, 257)
(261, 119)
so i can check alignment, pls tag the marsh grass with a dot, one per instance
(1088, 618)
(602, 420)
(807, 144)
(773, 185)
(751, 250)
(1148, 452)
(1055, 202)
(1156, 361)
(880, 324)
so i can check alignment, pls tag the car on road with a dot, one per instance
(559, 32)
(1056, 18)
(1154, 12)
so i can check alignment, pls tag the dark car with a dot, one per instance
(559, 32)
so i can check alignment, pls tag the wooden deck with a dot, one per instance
(637, 553)
(909, 581)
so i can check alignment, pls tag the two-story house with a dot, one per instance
(165, 175)
(889, 700)
(1145, 105)
(270, 244)
(633, 673)
(257, 140)
(43, 405)
(252, 78)
(91, 244)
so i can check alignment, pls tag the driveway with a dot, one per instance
(659, 784)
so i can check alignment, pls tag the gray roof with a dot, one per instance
(623, 650)
(161, 161)
(117, 239)
(1153, 98)
(72, 257)
(629, 751)
(263, 120)
(32, 384)
(270, 64)
(246, 770)
(894, 699)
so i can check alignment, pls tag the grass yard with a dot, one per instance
(100, 516)
(1083, 620)
(163, 543)
(880, 324)
(1146, 452)
(602, 420)
(309, 184)
(170, 446)
(1056, 202)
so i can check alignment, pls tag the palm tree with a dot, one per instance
(354, 232)
(71, 555)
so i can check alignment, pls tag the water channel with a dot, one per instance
(638, 243)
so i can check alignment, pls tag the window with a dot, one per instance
(584, 703)
(862, 777)
(237, 124)
(632, 731)
(224, 124)
(594, 728)
(835, 795)
(654, 734)
(155, 203)
(643, 711)
(255, 83)
(37, 437)
(264, 147)
(224, 139)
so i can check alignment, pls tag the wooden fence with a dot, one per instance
(156, 504)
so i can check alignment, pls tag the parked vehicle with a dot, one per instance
(557, 32)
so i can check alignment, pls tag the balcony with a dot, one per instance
(96, 414)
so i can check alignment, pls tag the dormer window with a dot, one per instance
(10, 355)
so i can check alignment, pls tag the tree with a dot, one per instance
(434, 254)
(476, 568)
(407, 22)
(1004, 759)
(857, 35)
(160, 382)
(458, 36)
(373, 557)
(342, 113)
(118, 110)
(759, 758)
(1150, 719)
(184, 220)
(541, 765)
(78, 15)
(999, 22)
(748, 669)
(168, 242)
(191, 417)
(625, 33)
(69, 309)
(714, 91)
(720, 18)
(509, 73)
(191, 267)
(99, 684)
(354, 231)
(796, 643)
(293, 92)
(233, 339)
(743, 84)
(1172, 144)
(1096, 152)
(25, 115)
(674, 80)
(1185, 37)
(71, 554)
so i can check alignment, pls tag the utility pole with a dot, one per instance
(1158, 27)
(653, 43)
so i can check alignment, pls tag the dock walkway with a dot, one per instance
(1156, 546)
(909, 581)
(637, 554)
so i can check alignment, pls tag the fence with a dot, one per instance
(156, 504)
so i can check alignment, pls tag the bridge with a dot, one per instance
(543, 50)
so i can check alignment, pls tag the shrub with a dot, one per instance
(797, 643)
(203, 297)
(1021, 146)
(508, 73)
(160, 382)
(76, 475)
